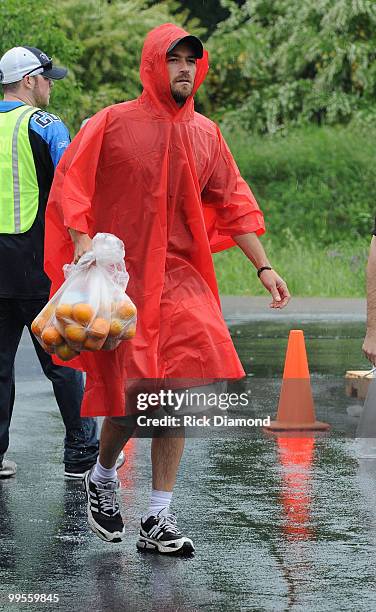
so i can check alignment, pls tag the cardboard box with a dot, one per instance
(357, 383)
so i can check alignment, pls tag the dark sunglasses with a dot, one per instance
(45, 66)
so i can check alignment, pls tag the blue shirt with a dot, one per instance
(49, 127)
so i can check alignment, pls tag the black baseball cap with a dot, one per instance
(193, 41)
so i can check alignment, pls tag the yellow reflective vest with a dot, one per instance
(19, 192)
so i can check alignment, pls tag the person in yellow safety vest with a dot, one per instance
(32, 142)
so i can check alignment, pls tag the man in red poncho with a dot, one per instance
(159, 176)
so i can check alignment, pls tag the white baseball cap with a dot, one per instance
(21, 61)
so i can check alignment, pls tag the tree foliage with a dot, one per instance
(274, 64)
(293, 62)
(111, 36)
(38, 24)
(99, 41)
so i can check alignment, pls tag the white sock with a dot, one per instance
(102, 474)
(159, 500)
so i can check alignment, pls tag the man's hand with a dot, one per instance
(82, 243)
(276, 287)
(369, 346)
(253, 249)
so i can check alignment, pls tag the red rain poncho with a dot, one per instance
(163, 180)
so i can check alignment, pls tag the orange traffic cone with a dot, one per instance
(296, 411)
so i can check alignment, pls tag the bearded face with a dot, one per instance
(181, 65)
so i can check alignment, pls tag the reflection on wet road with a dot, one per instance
(279, 523)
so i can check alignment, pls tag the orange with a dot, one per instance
(48, 311)
(65, 352)
(82, 313)
(93, 344)
(38, 325)
(75, 333)
(131, 332)
(63, 311)
(99, 328)
(116, 327)
(51, 336)
(126, 310)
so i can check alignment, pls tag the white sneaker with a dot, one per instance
(103, 510)
(120, 460)
(161, 534)
(7, 468)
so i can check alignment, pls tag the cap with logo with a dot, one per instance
(22, 61)
(195, 43)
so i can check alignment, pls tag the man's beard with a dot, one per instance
(179, 96)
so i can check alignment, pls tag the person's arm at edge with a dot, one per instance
(253, 249)
(369, 345)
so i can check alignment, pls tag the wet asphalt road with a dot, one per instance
(279, 524)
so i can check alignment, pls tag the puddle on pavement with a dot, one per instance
(332, 348)
(307, 501)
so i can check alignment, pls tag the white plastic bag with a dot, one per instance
(91, 310)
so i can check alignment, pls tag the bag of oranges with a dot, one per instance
(91, 311)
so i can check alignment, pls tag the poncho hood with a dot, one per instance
(155, 78)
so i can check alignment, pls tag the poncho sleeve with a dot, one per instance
(80, 178)
(70, 200)
(230, 208)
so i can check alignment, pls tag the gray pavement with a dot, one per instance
(238, 308)
(278, 525)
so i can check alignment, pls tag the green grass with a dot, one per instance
(316, 187)
(316, 183)
(308, 270)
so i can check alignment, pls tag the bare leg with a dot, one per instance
(114, 436)
(166, 451)
(159, 531)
